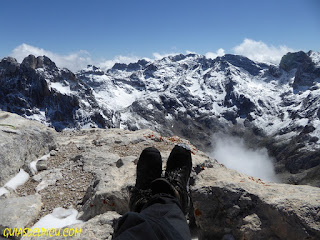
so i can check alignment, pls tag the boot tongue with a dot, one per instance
(162, 185)
(175, 189)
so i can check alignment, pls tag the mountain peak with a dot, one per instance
(243, 62)
(140, 64)
(9, 64)
(38, 62)
(294, 60)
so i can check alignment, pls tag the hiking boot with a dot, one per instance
(149, 168)
(176, 181)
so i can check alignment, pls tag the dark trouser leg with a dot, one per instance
(161, 218)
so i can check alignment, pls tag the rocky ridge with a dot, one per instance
(98, 167)
(271, 106)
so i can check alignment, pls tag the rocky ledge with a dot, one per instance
(92, 170)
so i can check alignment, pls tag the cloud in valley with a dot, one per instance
(234, 154)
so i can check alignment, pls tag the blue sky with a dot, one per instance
(99, 30)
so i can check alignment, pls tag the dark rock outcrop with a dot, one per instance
(37, 89)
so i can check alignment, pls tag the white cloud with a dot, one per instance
(73, 61)
(220, 52)
(158, 56)
(233, 153)
(261, 52)
(257, 51)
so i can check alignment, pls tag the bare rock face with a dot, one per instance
(226, 202)
(38, 62)
(100, 227)
(19, 212)
(22, 141)
(112, 159)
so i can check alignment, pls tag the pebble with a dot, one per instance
(53, 153)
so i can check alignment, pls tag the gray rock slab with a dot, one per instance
(21, 141)
(41, 165)
(19, 212)
(114, 174)
(99, 227)
(227, 202)
(109, 191)
(46, 178)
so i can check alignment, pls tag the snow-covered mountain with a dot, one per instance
(187, 95)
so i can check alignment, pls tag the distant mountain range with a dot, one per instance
(187, 95)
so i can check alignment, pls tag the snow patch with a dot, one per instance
(64, 89)
(302, 122)
(3, 191)
(120, 98)
(33, 164)
(59, 218)
(169, 117)
(316, 132)
(18, 180)
(40, 117)
(150, 106)
(315, 57)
